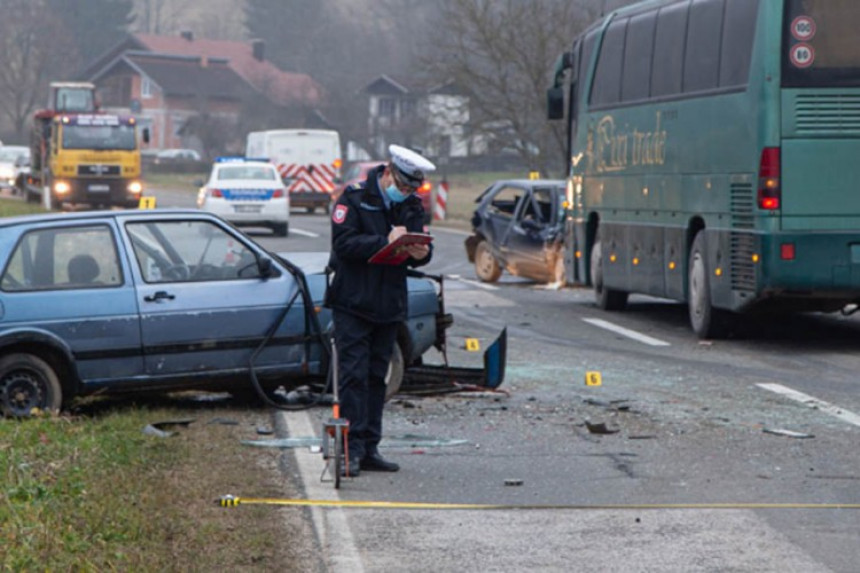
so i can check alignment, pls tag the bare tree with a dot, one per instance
(500, 54)
(35, 50)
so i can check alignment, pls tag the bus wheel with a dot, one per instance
(486, 266)
(606, 298)
(707, 321)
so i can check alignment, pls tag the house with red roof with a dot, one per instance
(196, 92)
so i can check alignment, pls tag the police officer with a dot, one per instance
(369, 300)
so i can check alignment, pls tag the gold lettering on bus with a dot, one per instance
(610, 149)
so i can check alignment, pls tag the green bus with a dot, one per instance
(715, 156)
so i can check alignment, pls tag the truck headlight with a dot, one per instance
(62, 187)
(135, 187)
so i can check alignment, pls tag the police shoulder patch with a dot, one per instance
(339, 214)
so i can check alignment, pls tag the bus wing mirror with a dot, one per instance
(555, 103)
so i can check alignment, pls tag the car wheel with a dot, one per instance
(28, 382)
(486, 266)
(606, 298)
(394, 375)
(706, 321)
(281, 229)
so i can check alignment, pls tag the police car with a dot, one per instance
(247, 192)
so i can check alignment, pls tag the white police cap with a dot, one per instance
(411, 166)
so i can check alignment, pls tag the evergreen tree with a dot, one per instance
(96, 25)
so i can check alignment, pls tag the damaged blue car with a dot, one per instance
(164, 300)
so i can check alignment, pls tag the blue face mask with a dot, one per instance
(394, 194)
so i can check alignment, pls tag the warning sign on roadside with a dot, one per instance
(803, 28)
(802, 55)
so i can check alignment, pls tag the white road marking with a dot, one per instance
(304, 233)
(626, 332)
(805, 399)
(471, 282)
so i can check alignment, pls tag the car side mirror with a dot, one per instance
(264, 264)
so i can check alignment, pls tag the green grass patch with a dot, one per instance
(174, 181)
(464, 188)
(14, 207)
(94, 493)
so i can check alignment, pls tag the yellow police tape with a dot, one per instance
(232, 501)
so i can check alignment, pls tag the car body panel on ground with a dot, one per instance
(247, 192)
(160, 300)
(518, 227)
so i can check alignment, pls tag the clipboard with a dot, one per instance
(395, 253)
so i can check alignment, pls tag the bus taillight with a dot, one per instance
(769, 191)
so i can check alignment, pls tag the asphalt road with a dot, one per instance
(713, 461)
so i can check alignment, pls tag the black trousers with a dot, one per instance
(364, 349)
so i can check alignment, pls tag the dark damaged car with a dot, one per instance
(157, 300)
(518, 227)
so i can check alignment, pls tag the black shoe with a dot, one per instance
(373, 462)
(353, 470)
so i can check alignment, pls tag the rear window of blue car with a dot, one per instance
(63, 258)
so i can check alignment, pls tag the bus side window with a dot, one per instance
(738, 35)
(704, 33)
(668, 55)
(607, 77)
(636, 81)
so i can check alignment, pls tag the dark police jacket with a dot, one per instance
(360, 224)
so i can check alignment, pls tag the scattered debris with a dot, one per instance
(158, 428)
(642, 437)
(599, 428)
(787, 433)
(264, 431)
(513, 482)
(407, 440)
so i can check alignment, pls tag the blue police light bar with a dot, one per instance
(240, 159)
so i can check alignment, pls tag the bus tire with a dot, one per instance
(606, 298)
(486, 266)
(707, 322)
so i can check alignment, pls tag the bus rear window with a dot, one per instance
(820, 47)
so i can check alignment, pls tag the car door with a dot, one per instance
(497, 215)
(533, 232)
(205, 305)
(67, 282)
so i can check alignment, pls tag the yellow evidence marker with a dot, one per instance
(592, 378)
(146, 203)
(473, 345)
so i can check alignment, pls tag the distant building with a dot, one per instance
(433, 118)
(168, 80)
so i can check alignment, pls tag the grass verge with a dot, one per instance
(14, 207)
(92, 492)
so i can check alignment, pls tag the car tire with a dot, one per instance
(281, 229)
(28, 382)
(487, 267)
(606, 298)
(394, 375)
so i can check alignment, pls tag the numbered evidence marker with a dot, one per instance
(472, 345)
(146, 203)
(592, 378)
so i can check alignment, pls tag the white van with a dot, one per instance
(309, 161)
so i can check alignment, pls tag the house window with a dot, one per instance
(407, 108)
(145, 87)
(386, 107)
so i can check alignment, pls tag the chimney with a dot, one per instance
(259, 49)
(187, 34)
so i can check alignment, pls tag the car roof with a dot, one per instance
(119, 215)
(532, 182)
